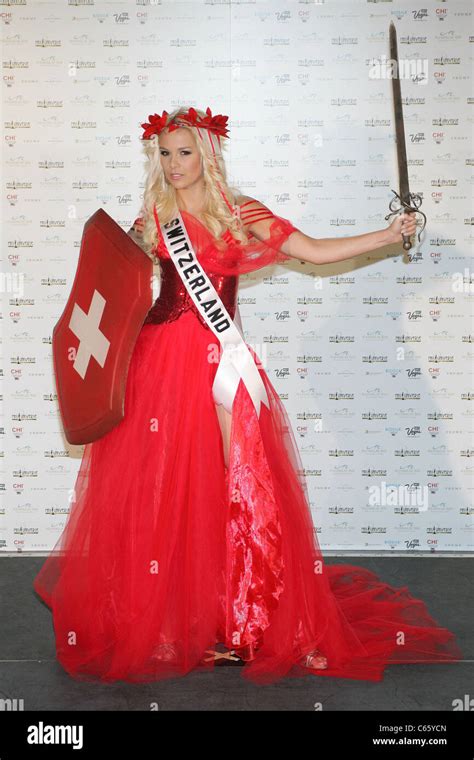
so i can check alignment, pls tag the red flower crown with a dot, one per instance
(215, 124)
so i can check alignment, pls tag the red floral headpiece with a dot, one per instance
(214, 124)
(216, 127)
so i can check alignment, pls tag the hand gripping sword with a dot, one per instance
(406, 200)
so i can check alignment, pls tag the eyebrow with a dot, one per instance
(182, 147)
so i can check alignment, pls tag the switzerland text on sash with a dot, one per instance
(236, 360)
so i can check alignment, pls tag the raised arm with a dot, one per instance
(327, 250)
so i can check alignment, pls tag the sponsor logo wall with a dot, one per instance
(373, 356)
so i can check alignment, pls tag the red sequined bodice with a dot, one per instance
(174, 299)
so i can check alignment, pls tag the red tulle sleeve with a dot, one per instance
(269, 232)
(228, 256)
(135, 231)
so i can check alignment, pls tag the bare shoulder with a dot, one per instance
(136, 231)
(257, 218)
(252, 210)
(241, 199)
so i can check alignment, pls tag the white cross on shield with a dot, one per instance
(92, 342)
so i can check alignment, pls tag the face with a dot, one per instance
(178, 155)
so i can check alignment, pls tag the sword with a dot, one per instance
(403, 200)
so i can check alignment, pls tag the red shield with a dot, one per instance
(93, 340)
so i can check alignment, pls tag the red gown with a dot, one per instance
(166, 555)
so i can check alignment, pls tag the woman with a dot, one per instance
(190, 540)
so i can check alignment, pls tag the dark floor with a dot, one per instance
(29, 670)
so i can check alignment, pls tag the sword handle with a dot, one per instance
(397, 204)
(406, 239)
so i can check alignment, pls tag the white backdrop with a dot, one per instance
(372, 356)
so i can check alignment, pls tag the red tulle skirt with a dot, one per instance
(166, 555)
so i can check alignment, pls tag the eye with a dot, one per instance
(186, 152)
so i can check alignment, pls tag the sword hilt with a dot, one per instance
(406, 245)
(413, 204)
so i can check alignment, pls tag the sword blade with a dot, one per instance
(399, 124)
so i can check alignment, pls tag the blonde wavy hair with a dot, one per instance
(216, 215)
